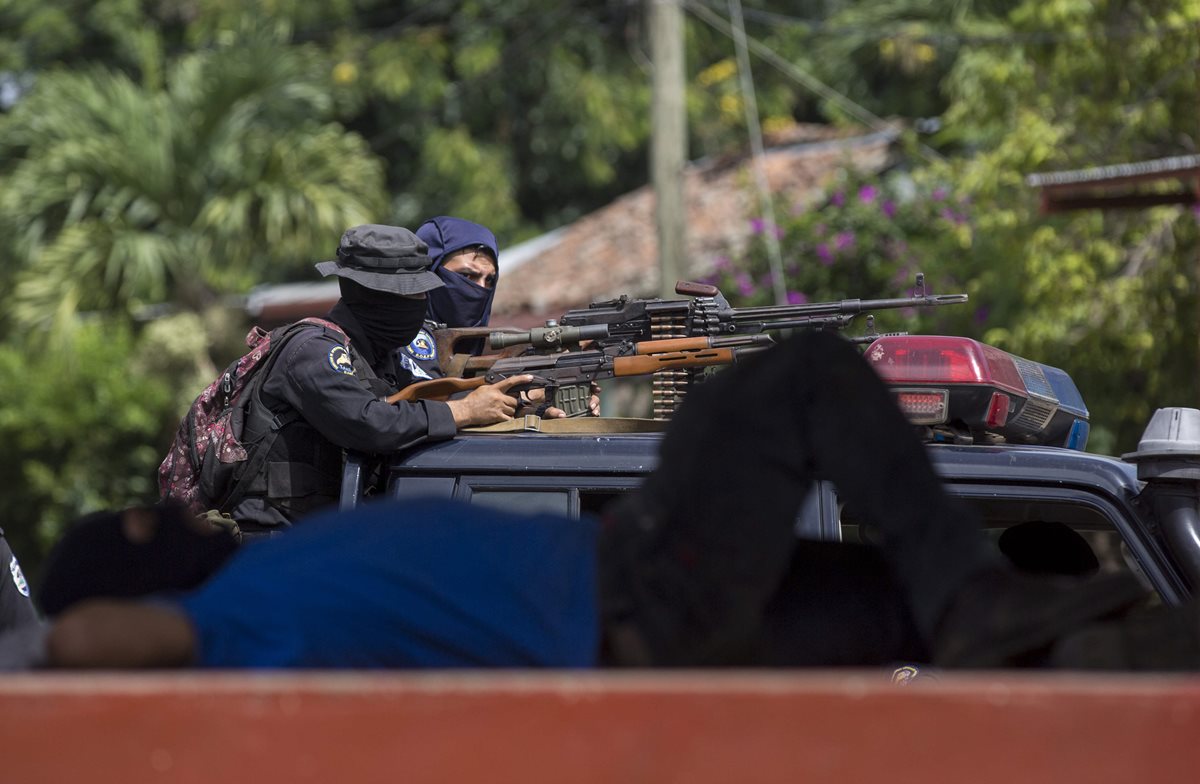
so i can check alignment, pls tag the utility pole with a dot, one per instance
(668, 146)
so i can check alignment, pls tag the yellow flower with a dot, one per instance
(717, 72)
(345, 73)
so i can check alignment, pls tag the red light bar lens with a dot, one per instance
(997, 415)
(923, 406)
(939, 359)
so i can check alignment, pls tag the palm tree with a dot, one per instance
(116, 195)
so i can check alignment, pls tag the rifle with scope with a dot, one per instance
(567, 376)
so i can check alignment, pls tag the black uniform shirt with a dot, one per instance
(316, 376)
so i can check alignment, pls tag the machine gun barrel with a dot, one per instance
(711, 314)
(847, 307)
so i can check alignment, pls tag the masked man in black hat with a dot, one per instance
(329, 396)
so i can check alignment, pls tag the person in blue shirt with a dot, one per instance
(698, 567)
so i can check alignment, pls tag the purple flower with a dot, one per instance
(838, 199)
(721, 264)
(745, 284)
(825, 254)
(779, 232)
(953, 217)
(756, 225)
(843, 240)
(796, 298)
(889, 208)
(939, 194)
(867, 194)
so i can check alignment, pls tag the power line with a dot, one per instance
(902, 29)
(750, 103)
(805, 79)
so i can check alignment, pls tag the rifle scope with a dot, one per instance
(552, 336)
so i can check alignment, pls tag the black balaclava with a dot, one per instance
(390, 321)
(94, 559)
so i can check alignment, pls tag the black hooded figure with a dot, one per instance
(324, 390)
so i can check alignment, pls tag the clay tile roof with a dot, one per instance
(613, 250)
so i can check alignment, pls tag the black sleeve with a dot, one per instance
(329, 396)
(16, 608)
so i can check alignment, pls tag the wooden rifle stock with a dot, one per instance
(436, 389)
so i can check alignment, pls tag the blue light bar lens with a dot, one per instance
(1077, 438)
(1067, 393)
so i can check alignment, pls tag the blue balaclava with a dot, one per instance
(460, 303)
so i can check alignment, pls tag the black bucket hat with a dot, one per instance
(383, 258)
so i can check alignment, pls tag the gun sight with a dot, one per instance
(552, 337)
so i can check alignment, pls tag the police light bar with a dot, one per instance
(967, 391)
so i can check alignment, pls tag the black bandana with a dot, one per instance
(390, 321)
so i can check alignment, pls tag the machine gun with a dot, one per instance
(567, 376)
(709, 313)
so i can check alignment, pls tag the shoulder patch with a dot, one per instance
(410, 364)
(423, 347)
(339, 360)
(18, 577)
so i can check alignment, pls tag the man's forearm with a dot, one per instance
(114, 634)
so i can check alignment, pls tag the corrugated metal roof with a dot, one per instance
(1179, 164)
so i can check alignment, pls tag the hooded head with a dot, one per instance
(460, 303)
(135, 552)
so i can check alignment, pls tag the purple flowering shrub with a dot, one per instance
(865, 239)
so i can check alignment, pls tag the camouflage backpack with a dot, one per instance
(207, 462)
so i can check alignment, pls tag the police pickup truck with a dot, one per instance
(1005, 434)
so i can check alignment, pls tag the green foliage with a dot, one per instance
(120, 196)
(1099, 294)
(83, 432)
(174, 153)
(1039, 86)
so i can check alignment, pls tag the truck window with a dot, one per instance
(1039, 535)
(525, 501)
